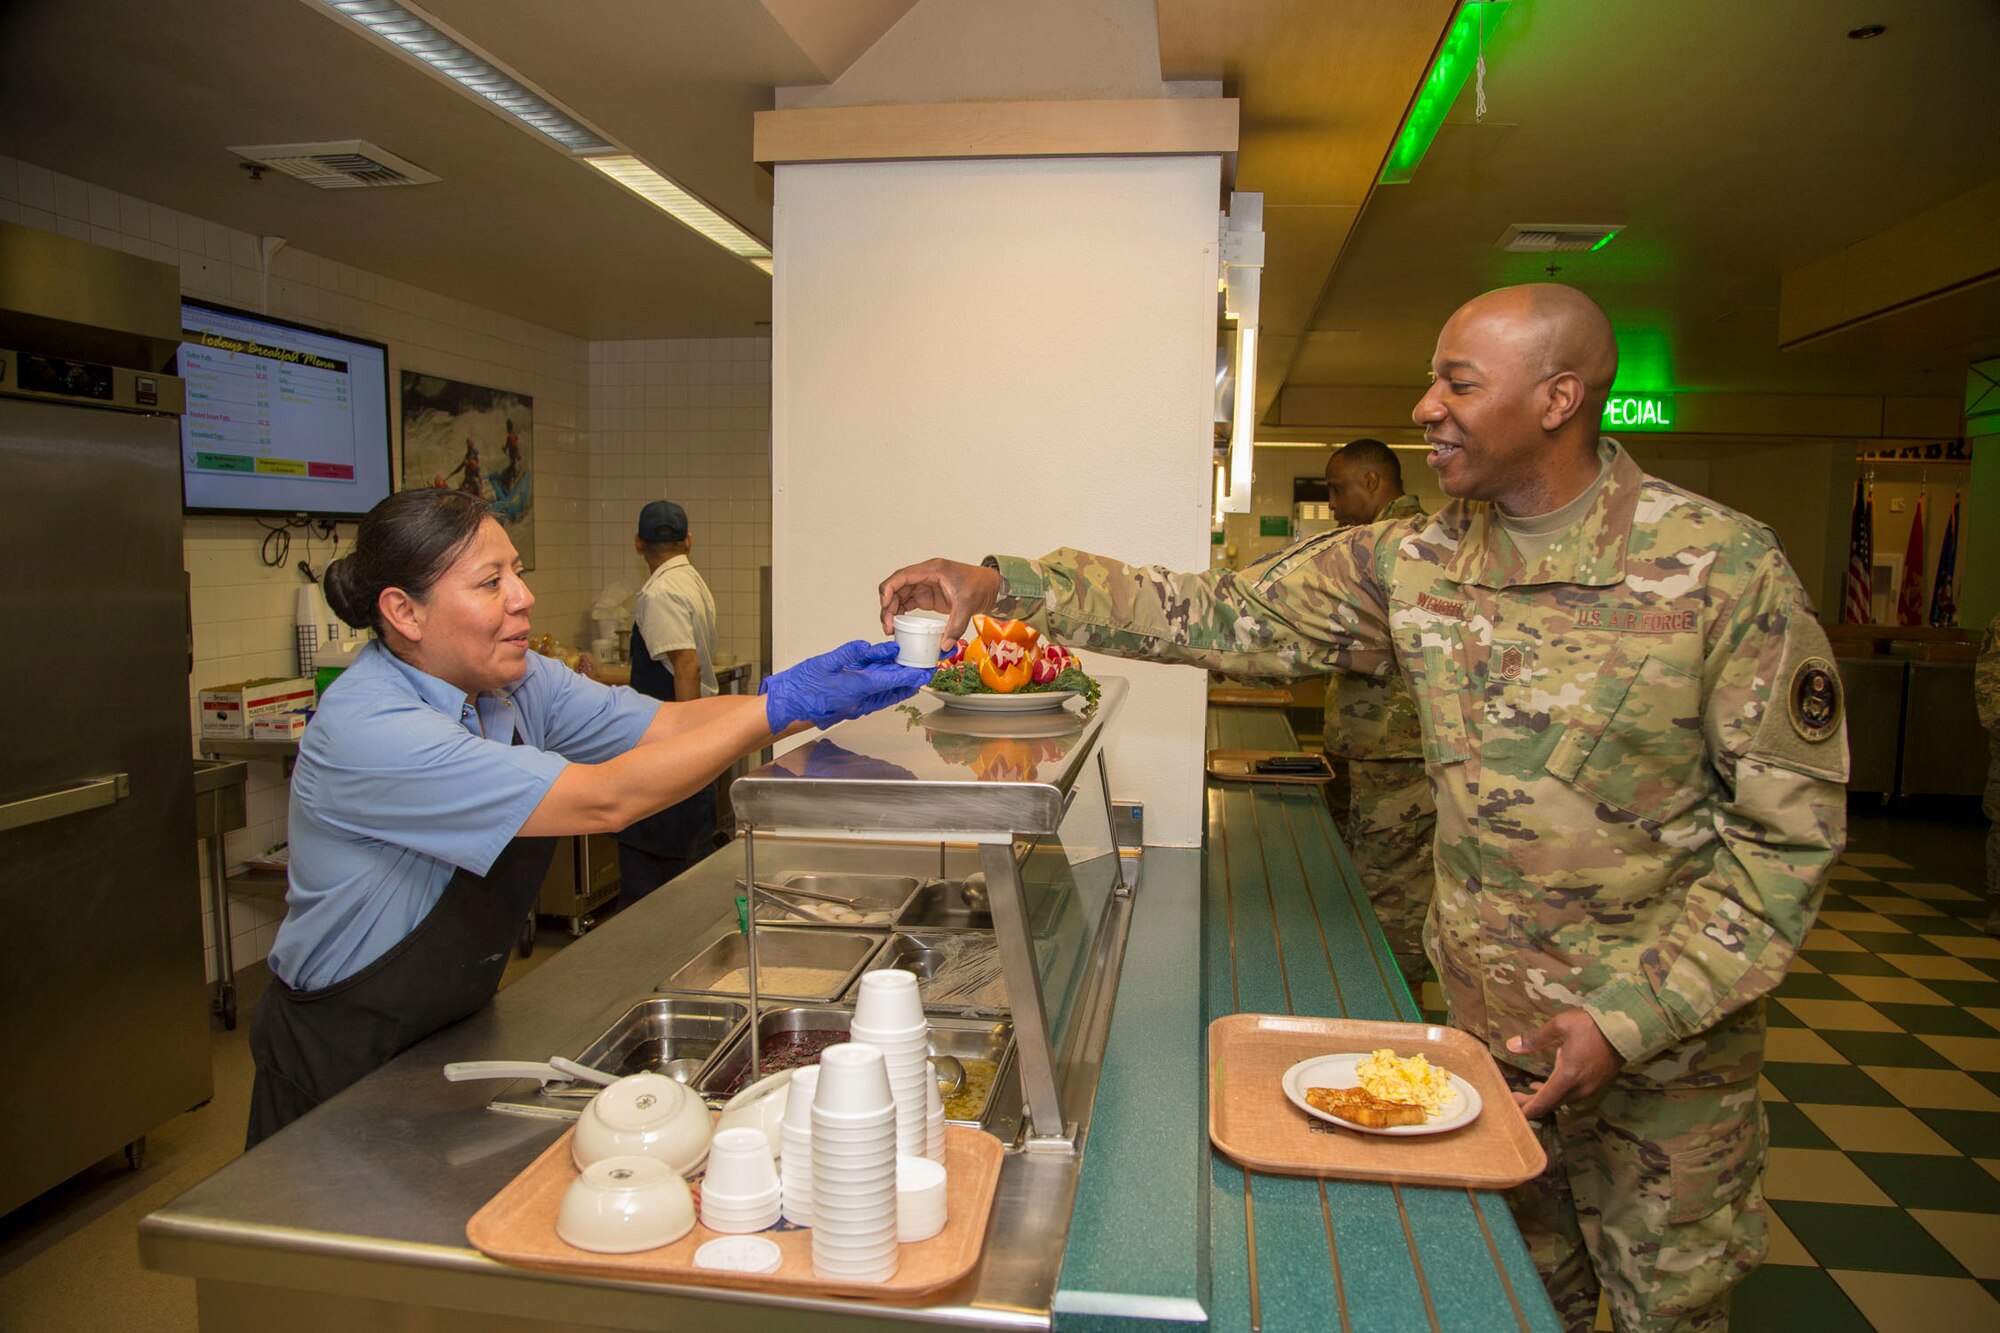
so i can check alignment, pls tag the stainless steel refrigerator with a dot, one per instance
(103, 1007)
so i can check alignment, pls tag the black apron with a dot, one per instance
(685, 830)
(310, 1044)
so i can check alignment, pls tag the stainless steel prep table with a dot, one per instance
(355, 1216)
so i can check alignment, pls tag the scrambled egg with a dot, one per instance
(1414, 1080)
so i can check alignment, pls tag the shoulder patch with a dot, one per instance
(1812, 699)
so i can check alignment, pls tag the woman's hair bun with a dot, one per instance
(352, 604)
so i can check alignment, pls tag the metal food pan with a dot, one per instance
(940, 905)
(964, 1038)
(881, 896)
(655, 1033)
(839, 954)
(919, 952)
(726, 1073)
(979, 1039)
(651, 1035)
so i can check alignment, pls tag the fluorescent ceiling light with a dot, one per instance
(423, 40)
(662, 193)
(1440, 88)
(416, 36)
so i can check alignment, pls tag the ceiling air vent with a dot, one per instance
(1540, 238)
(343, 164)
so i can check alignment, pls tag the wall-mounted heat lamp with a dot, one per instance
(1242, 275)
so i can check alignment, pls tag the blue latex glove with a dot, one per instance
(853, 680)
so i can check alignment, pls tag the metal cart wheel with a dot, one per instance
(526, 944)
(135, 1153)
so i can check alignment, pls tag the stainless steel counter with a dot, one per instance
(354, 1217)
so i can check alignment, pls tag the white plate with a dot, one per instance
(1041, 701)
(1337, 1071)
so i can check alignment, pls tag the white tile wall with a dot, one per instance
(687, 420)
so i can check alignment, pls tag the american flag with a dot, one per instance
(1944, 606)
(1860, 595)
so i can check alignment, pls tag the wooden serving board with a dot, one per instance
(1249, 696)
(1251, 1121)
(518, 1226)
(1241, 766)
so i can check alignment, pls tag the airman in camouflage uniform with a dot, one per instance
(1986, 694)
(1381, 796)
(1638, 749)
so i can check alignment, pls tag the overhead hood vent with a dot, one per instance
(342, 164)
(1540, 238)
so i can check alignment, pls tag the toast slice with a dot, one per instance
(1360, 1107)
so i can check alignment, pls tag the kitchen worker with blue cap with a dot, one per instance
(437, 775)
(673, 658)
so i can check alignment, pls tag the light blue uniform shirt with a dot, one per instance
(400, 783)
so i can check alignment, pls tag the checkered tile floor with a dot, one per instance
(1882, 1084)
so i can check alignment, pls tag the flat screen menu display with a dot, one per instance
(281, 418)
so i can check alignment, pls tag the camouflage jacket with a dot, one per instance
(1986, 679)
(1637, 744)
(1374, 717)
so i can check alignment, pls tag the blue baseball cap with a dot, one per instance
(663, 521)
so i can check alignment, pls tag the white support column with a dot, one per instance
(978, 356)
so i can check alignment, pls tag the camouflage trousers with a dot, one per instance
(1654, 1194)
(1385, 814)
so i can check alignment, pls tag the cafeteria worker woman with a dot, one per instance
(437, 775)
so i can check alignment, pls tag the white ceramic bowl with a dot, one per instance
(622, 1205)
(760, 1106)
(644, 1115)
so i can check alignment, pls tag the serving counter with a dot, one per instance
(1111, 1209)
(1280, 925)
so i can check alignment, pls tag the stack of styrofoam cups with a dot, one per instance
(889, 1015)
(933, 1119)
(853, 1166)
(739, 1190)
(920, 1199)
(795, 1138)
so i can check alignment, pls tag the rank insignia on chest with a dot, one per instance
(1512, 664)
(1813, 698)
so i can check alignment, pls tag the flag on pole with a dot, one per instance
(1944, 606)
(1910, 598)
(1859, 592)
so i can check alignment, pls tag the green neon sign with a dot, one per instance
(1639, 411)
(1456, 56)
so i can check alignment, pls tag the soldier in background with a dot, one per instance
(1380, 795)
(1636, 738)
(1986, 694)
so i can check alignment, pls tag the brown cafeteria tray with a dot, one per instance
(1249, 696)
(518, 1226)
(1251, 1121)
(1241, 766)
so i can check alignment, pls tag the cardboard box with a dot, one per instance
(227, 711)
(278, 727)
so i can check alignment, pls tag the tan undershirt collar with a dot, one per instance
(1534, 534)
